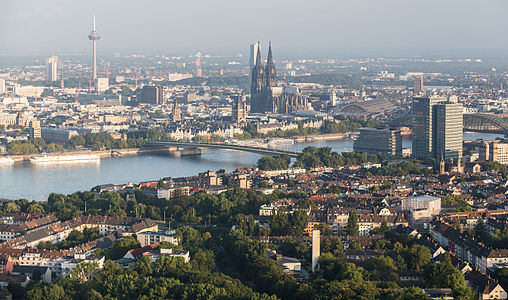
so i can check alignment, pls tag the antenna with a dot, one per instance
(94, 21)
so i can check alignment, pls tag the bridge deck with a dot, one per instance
(260, 150)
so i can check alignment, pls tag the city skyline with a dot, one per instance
(392, 27)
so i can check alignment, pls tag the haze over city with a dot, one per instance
(296, 27)
(265, 150)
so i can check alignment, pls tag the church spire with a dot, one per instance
(259, 62)
(271, 74)
(269, 61)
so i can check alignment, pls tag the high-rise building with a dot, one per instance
(418, 86)
(254, 48)
(151, 95)
(199, 71)
(52, 68)
(2, 87)
(175, 112)
(316, 249)
(422, 126)
(437, 129)
(239, 111)
(448, 131)
(379, 140)
(94, 37)
(494, 151)
(268, 96)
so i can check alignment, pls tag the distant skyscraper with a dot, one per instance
(94, 37)
(151, 95)
(253, 51)
(418, 85)
(437, 129)
(52, 68)
(2, 86)
(199, 71)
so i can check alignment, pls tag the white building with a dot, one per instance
(51, 68)
(102, 84)
(152, 237)
(422, 202)
(172, 192)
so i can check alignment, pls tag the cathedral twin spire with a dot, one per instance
(264, 77)
(271, 74)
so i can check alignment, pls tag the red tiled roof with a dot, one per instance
(139, 252)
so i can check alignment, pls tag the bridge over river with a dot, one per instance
(259, 150)
(472, 122)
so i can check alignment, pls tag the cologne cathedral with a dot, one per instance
(269, 97)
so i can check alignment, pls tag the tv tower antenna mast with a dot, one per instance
(94, 37)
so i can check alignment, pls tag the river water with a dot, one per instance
(24, 180)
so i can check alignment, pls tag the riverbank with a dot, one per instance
(324, 137)
(100, 153)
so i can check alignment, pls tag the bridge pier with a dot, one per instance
(179, 152)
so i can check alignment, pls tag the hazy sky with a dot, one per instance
(312, 27)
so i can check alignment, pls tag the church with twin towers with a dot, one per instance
(267, 95)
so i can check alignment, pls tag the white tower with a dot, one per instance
(94, 37)
(333, 98)
(316, 249)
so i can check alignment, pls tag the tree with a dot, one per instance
(292, 248)
(11, 207)
(123, 245)
(298, 222)
(444, 274)
(279, 224)
(160, 184)
(274, 163)
(35, 208)
(352, 223)
(324, 228)
(144, 266)
(77, 141)
(382, 263)
(355, 246)
(331, 245)
(43, 292)
(84, 271)
(417, 256)
(189, 237)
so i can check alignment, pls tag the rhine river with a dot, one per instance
(36, 182)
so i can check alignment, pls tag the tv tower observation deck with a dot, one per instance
(94, 37)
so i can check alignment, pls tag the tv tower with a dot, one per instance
(94, 36)
(199, 71)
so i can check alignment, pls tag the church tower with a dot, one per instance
(258, 84)
(239, 112)
(271, 74)
(175, 112)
